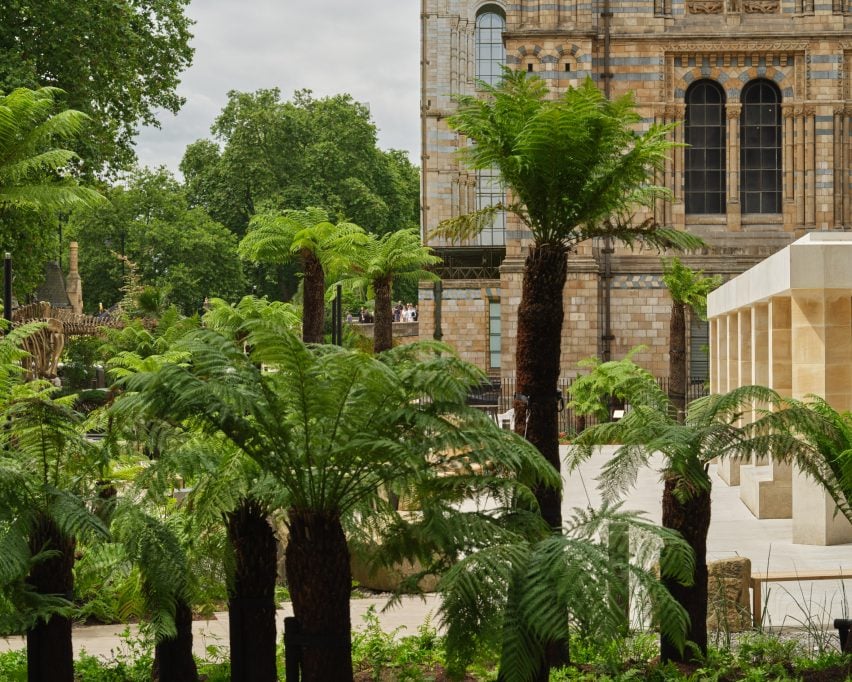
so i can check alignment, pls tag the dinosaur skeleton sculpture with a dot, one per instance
(46, 345)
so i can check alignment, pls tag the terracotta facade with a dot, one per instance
(656, 49)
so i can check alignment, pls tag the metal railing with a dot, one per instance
(498, 397)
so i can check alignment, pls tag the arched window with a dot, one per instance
(760, 148)
(705, 155)
(490, 57)
(490, 53)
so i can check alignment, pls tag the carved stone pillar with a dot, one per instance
(734, 209)
(810, 166)
(800, 166)
(679, 115)
(837, 175)
(788, 159)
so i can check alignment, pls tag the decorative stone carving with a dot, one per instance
(761, 6)
(733, 111)
(704, 6)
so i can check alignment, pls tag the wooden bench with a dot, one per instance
(757, 580)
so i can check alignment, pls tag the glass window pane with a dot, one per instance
(705, 158)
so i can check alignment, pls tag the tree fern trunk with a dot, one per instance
(537, 359)
(251, 603)
(692, 520)
(50, 656)
(383, 326)
(318, 574)
(677, 360)
(173, 661)
(313, 304)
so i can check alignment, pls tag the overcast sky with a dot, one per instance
(369, 49)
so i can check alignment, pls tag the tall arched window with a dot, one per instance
(490, 53)
(490, 57)
(760, 148)
(705, 155)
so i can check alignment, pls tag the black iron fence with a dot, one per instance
(498, 397)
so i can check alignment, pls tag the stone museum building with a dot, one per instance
(761, 92)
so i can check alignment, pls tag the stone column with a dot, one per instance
(765, 486)
(677, 207)
(838, 174)
(788, 160)
(714, 354)
(734, 209)
(800, 167)
(810, 166)
(822, 364)
(728, 469)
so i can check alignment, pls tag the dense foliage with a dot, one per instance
(270, 153)
(177, 249)
(119, 62)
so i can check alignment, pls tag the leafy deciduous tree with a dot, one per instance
(119, 62)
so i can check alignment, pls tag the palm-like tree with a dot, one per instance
(574, 168)
(307, 236)
(46, 483)
(34, 173)
(510, 595)
(395, 256)
(688, 289)
(331, 426)
(710, 430)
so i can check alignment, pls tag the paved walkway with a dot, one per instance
(733, 532)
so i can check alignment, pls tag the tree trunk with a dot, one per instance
(319, 577)
(50, 655)
(173, 661)
(251, 602)
(313, 303)
(383, 324)
(692, 520)
(537, 358)
(677, 360)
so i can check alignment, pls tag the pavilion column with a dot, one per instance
(728, 469)
(821, 336)
(766, 485)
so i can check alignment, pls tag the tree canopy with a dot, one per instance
(119, 62)
(275, 154)
(178, 249)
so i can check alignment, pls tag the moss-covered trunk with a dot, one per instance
(320, 580)
(50, 655)
(691, 519)
(251, 594)
(313, 299)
